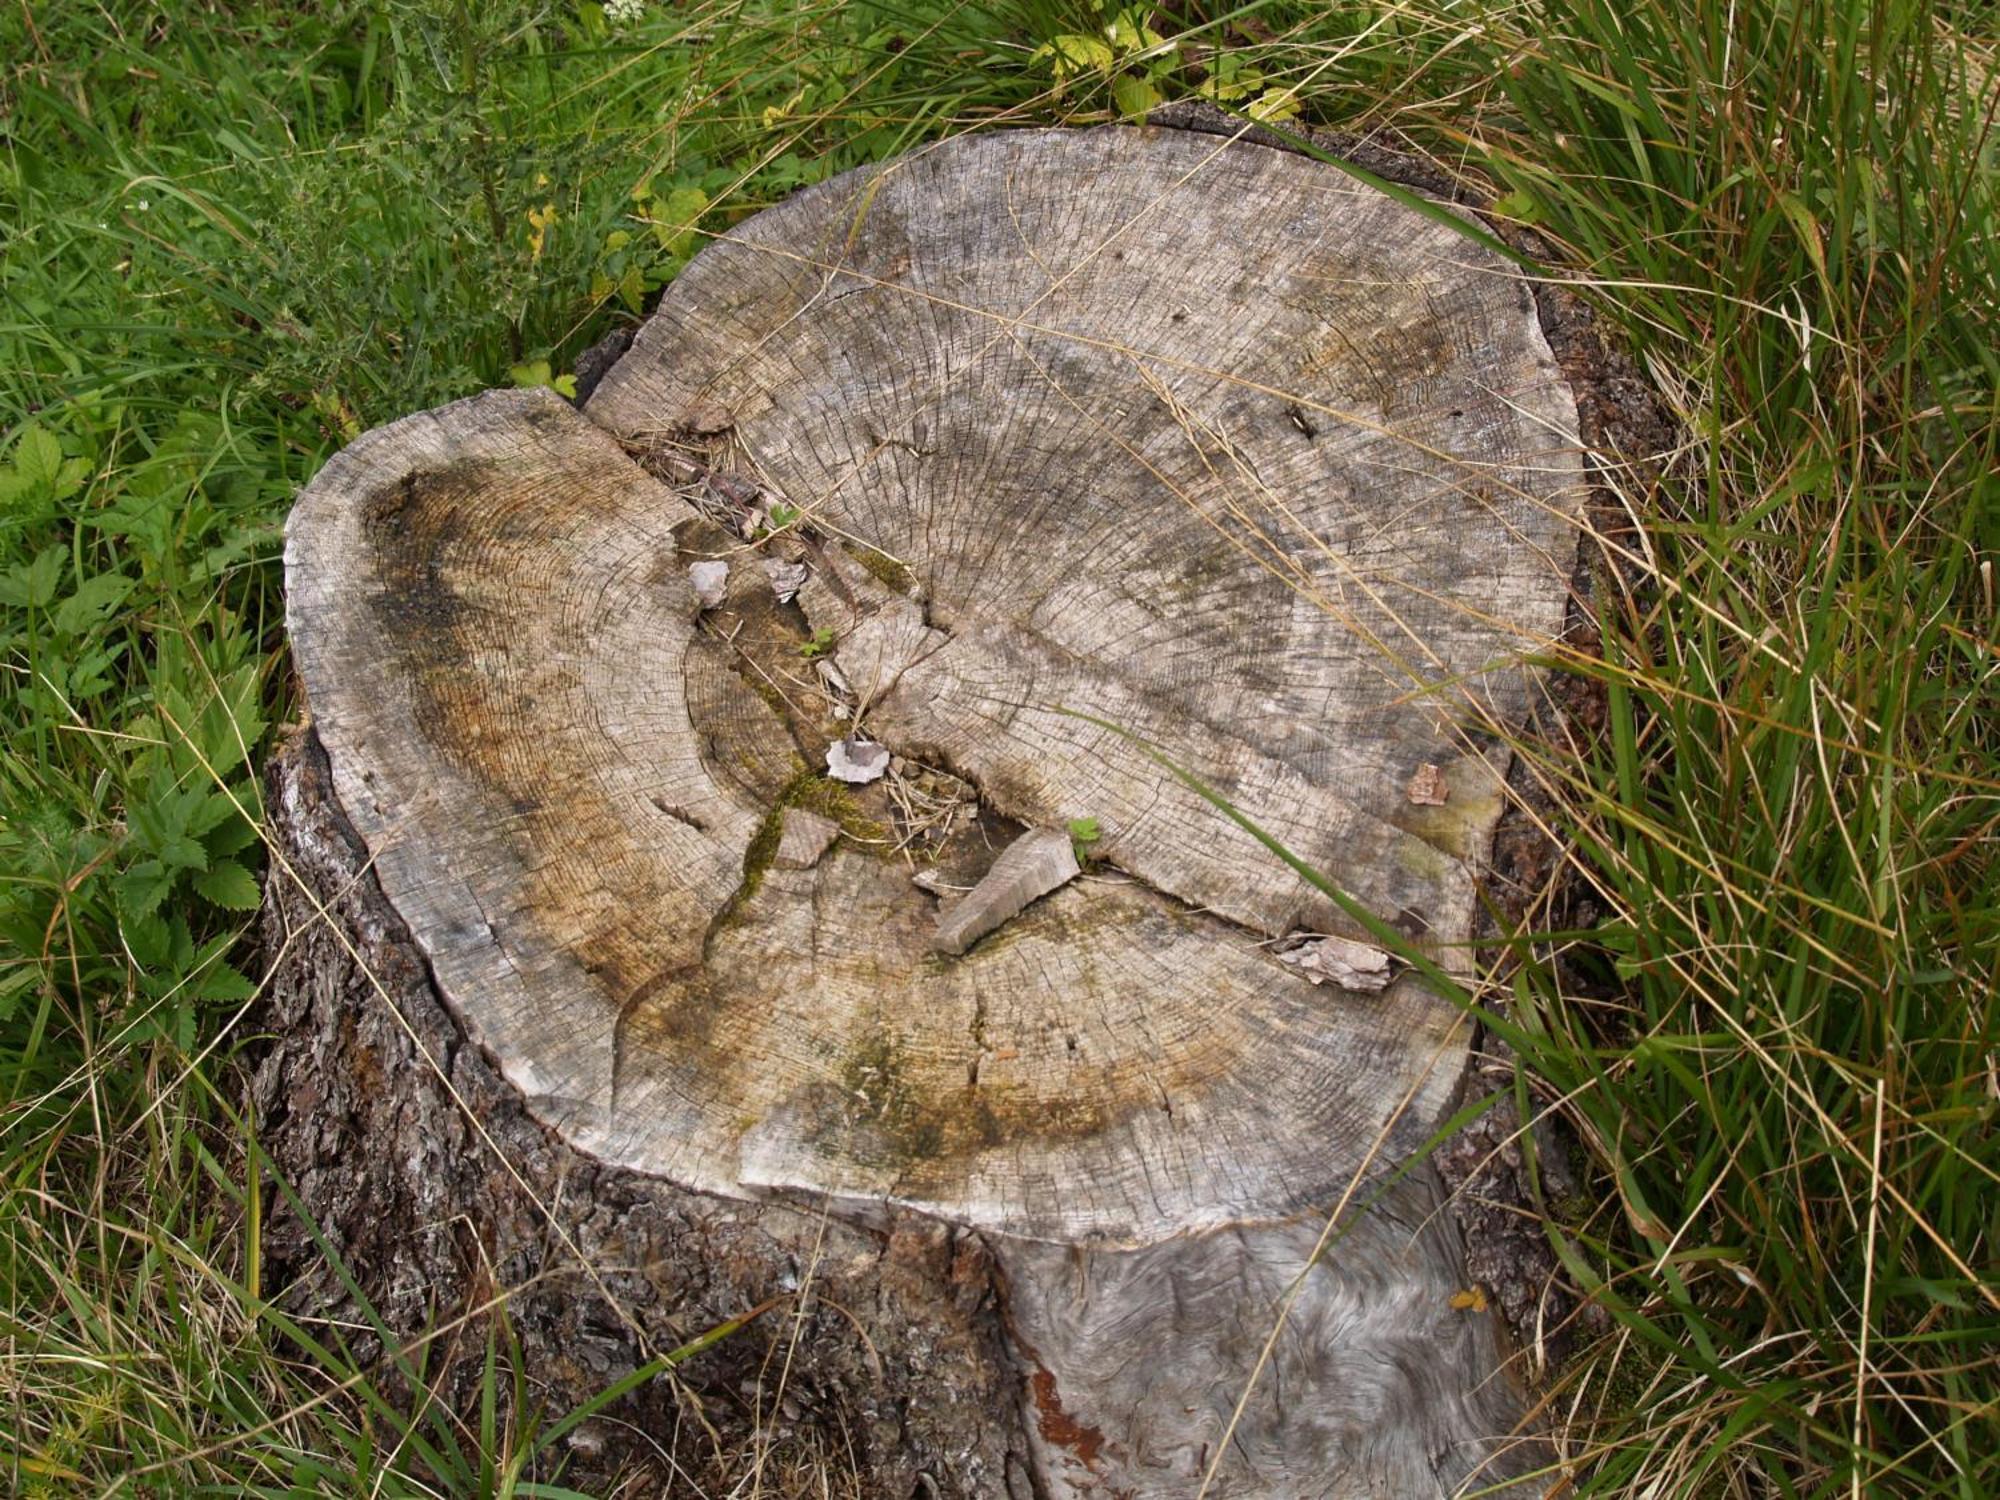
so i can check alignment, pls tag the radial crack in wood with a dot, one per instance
(1108, 445)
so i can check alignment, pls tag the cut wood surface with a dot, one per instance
(1079, 450)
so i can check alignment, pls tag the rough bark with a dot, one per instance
(1204, 441)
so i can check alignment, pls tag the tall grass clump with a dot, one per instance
(1789, 208)
(233, 237)
(1778, 1044)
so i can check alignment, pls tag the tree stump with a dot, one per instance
(686, 908)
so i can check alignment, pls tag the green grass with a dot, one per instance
(237, 235)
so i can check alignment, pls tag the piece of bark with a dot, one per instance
(1350, 965)
(1097, 470)
(1428, 788)
(711, 582)
(856, 761)
(786, 578)
(595, 362)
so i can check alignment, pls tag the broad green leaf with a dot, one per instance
(1128, 32)
(1135, 97)
(229, 886)
(143, 887)
(231, 835)
(93, 600)
(674, 218)
(34, 583)
(40, 468)
(1274, 105)
(1070, 54)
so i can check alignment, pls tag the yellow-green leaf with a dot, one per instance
(1134, 97)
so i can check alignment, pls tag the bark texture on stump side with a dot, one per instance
(1052, 432)
(367, 1099)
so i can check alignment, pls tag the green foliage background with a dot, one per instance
(237, 234)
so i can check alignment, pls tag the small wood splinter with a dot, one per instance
(1038, 862)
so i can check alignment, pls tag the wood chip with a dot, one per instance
(711, 582)
(805, 838)
(706, 418)
(787, 578)
(1039, 861)
(856, 761)
(834, 679)
(1428, 787)
(1350, 965)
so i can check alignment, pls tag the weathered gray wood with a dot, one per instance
(1123, 428)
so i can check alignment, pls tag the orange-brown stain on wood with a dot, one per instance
(1058, 1426)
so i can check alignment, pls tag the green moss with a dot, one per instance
(757, 858)
(886, 569)
(1422, 860)
(764, 688)
(815, 793)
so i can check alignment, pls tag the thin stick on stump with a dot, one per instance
(1198, 438)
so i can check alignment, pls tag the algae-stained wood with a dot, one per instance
(1094, 447)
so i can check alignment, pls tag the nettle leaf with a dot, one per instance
(229, 886)
(234, 720)
(219, 736)
(92, 674)
(33, 584)
(170, 822)
(215, 809)
(239, 543)
(39, 469)
(37, 455)
(225, 984)
(145, 520)
(143, 887)
(93, 600)
(163, 947)
(232, 835)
